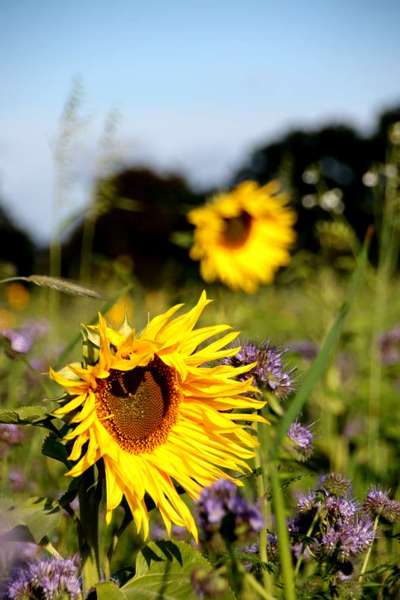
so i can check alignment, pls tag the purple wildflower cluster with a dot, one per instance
(301, 440)
(10, 435)
(269, 372)
(21, 340)
(331, 525)
(47, 579)
(222, 510)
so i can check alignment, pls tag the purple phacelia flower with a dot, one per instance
(355, 537)
(10, 434)
(48, 579)
(341, 508)
(378, 503)
(302, 439)
(21, 340)
(335, 484)
(269, 372)
(307, 502)
(222, 509)
(329, 542)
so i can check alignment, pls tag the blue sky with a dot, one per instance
(196, 84)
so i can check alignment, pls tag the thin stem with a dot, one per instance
(283, 535)
(252, 581)
(52, 551)
(368, 554)
(87, 245)
(309, 532)
(263, 539)
(234, 571)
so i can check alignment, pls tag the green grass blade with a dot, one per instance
(285, 552)
(321, 363)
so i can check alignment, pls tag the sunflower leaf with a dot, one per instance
(168, 575)
(54, 448)
(31, 521)
(109, 591)
(24, 415)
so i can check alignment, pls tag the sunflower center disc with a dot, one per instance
(138, 407)
(236, 230)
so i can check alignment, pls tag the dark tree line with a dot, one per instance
(136, 211)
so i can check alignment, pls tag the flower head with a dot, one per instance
(10, 434)
(222, 509)
(158, 414)
(355, 537)
(302, 439)
(48, 579)
(243, 237)
(269, 371)
(335, 484)
(378, 503)
(21, 340)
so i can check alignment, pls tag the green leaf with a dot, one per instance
(56, 283)
(109, 591)
(90, 346)
(24, 415)
(54, 448)
(168, 575)
(31, 521)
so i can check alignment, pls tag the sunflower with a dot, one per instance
(160, 409)
(244, 236)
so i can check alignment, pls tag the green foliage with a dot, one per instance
(24, 415)
(167, 573)
(109, 591)
(33, 520)
(54, 448)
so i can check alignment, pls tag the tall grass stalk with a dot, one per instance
(104, 165)
(69, 125)
(388, 255)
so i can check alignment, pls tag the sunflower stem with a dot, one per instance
(89, 501)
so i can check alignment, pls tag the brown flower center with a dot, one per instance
(139, 407)
(236, 230)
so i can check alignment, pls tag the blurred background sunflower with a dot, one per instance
(243, 237)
